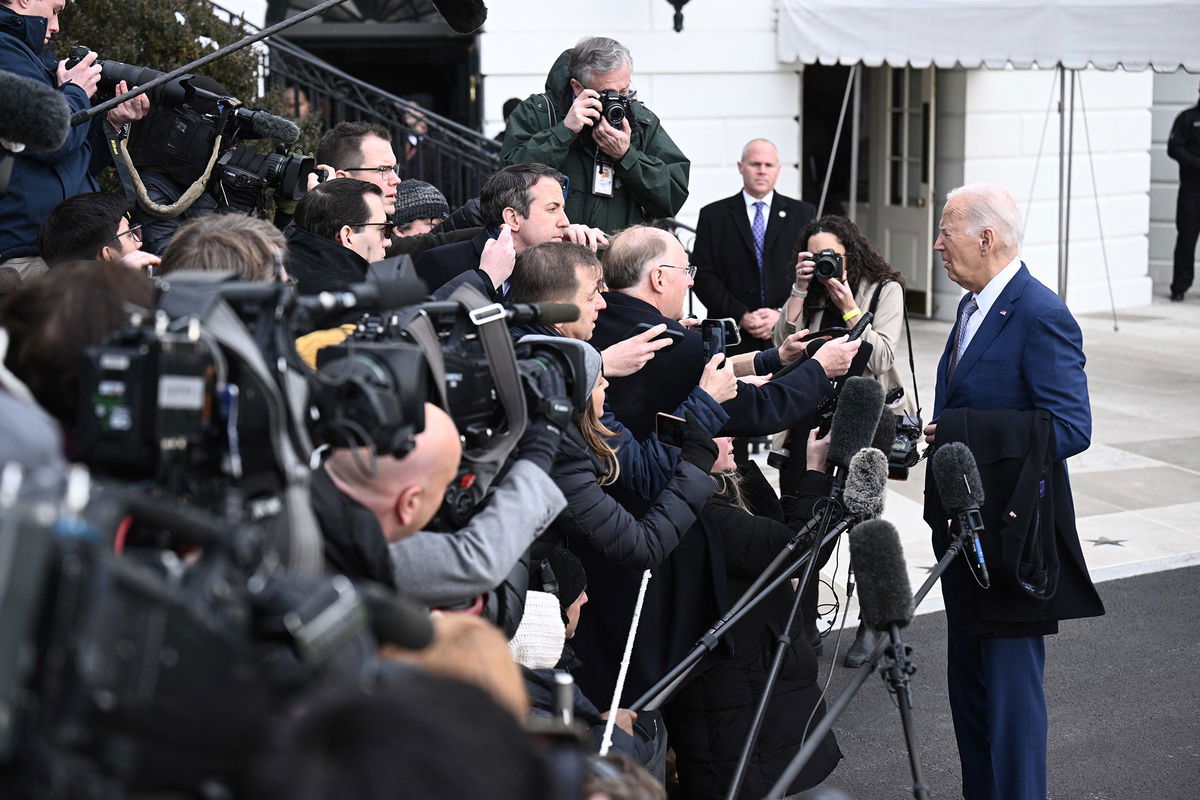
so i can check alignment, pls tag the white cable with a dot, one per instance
(606, 742)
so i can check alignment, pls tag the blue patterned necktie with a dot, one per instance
(759, 229)
(961, 336)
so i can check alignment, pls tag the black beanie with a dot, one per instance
(561, 574)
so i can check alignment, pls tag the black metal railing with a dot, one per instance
(452, 157)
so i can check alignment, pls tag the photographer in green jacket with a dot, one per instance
(621, 166)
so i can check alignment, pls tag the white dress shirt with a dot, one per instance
(987, 298)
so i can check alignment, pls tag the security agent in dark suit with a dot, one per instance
(744, 246)
(1011, 385)
(1184, 146)
(648, 269)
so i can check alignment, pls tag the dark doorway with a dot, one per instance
(823, 92)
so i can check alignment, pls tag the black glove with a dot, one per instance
(698, 449)
(549, 413)
(539, 443)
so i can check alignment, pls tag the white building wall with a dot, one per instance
(716, 85)
(1005, 113)
(1172, 94)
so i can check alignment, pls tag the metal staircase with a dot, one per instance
(452, 157)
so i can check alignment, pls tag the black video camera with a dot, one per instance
(903, 455)
(827, 264)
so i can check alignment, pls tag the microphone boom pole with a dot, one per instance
(80, 117)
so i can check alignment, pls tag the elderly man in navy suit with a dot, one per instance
(745, 248)
(1010, 385)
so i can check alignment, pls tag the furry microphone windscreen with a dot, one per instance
(32, 114)
(272, 127)
(858, 408)
(463, 16)
(866, 484)
(884, 594)
(957, 477)
(885, 432)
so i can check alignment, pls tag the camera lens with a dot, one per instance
(615, 115)
(826, 265)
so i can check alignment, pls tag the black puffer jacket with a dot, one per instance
(593, 519)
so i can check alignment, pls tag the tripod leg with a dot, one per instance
(899, 667)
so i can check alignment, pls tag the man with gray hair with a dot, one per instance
(621, 166)
(1011, 386)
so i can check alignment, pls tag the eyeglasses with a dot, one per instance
(385, 228)
(690, 269)
(394, 169)
(134, 234)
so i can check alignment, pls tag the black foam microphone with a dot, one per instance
(33, 116)
(463, 16)
(542, 313)
(393, 619)
(885, 595)
(885, 432)
(957, 478)
(855, 419)
(270, 126)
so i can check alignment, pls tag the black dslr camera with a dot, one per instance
(615, 108)
(909, 429)
(827, 264)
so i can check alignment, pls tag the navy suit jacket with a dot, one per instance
(1027, 354)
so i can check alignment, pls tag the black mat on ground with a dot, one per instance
(1123, 693)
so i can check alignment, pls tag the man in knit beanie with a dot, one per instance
(420, 208)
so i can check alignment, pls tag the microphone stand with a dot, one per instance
(782, 642)
(899, 668)
(860, 677)
(661, 691)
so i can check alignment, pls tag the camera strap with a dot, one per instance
(128, 172)
(116, 139)
(492, 327)
(912, 366)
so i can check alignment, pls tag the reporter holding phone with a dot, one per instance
(867, 283)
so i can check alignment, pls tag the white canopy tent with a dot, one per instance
(1105, 34)
(1067, 35)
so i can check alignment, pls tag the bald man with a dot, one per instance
(373, 519)
(745, 246)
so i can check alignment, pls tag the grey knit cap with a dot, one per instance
(419, 200)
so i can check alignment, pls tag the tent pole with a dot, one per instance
(856, 113)
(1066, 261)
(1062, 172)
(837, 138)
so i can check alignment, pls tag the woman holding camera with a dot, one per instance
(864, 282)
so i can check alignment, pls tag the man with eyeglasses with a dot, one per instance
(92, 227)
(617, 175)
(363, 151)
(339, 230)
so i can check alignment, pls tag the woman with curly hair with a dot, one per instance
(867, 282)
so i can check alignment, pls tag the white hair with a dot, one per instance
(986, 205)
(597, 55)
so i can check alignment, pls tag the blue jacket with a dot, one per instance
(40, 181)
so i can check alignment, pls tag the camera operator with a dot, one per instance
(340, 227)
(622, 167)
(363, 150)
(648, 274)
(92, 227)
(528, 200)
(40, 181)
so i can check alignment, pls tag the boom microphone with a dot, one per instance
(33, 116)
(858, 408)
(957, 478)
(269, 126)
(463, 16)
(885, 595)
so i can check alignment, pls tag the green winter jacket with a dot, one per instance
(651, 179)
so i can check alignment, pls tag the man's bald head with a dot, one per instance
(650, 264)
(405, 493)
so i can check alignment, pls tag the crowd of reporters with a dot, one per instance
(583, 504)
